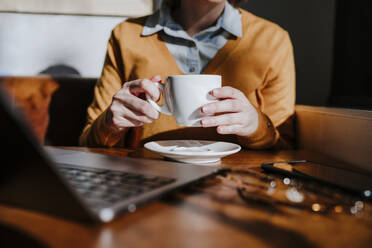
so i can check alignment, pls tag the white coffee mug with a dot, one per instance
(184, 95)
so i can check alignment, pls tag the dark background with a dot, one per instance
(332, 48)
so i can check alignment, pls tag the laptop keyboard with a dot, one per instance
(103, 188)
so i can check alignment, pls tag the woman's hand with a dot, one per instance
(239, 116)
(129, 107)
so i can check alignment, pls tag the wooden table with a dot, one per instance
(210, 214)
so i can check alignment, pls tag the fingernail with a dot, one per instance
(156, 78)
(205, 109)
(156, 97)
(221, 129)
(204, 122)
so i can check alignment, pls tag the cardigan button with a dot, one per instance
(192, 69)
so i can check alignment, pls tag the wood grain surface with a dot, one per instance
(208, 214)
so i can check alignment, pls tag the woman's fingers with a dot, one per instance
(228, 105)
(237, 114)
(146, 86)
(128, 109)
(230, 129)
(156, 79)
(226, 119)
(120, 123)
(123, 117)
(234, 101)
(227, 92)
(136, 108)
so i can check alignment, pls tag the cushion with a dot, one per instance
(32, 95)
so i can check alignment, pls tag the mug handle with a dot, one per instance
(164, 108)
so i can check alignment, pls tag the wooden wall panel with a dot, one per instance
(344, 134)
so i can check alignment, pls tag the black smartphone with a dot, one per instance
(351, 181)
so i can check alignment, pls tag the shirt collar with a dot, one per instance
(230, 21)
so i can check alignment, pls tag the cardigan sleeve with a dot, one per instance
(96, 132)
(276, 102)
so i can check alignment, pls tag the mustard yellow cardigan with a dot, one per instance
(260, 64)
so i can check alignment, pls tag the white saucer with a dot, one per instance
(193, 151)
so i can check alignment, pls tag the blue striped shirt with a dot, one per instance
(193, 54)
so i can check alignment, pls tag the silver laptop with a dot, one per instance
(81, 186)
